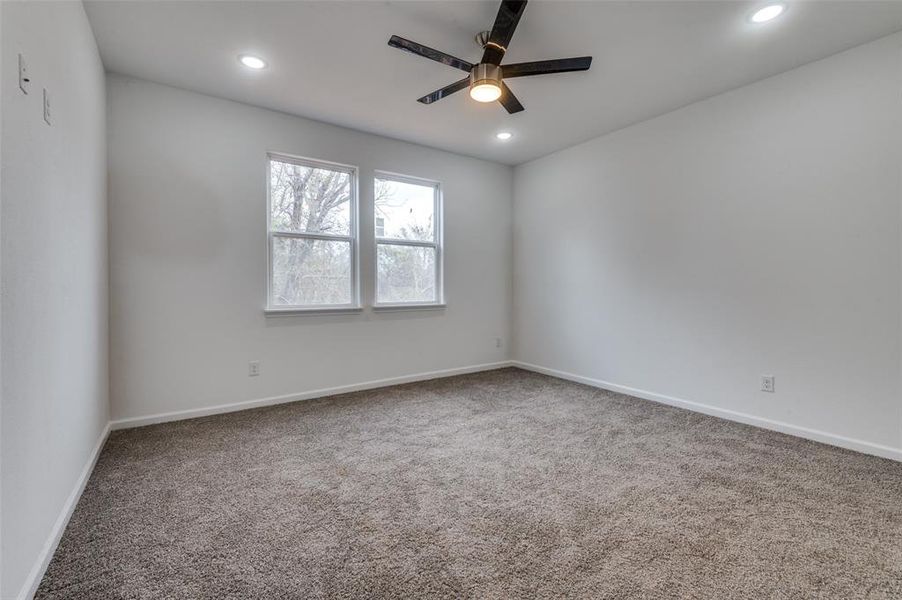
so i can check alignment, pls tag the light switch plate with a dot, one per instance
(24, 80)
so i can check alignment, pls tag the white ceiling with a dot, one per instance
(330, 60)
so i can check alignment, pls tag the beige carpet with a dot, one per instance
(504, 484)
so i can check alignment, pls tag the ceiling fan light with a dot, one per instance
(485, 82)
(487, 91)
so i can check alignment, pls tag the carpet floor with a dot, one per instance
(505, 484)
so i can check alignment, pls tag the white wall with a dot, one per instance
(188, 258)
(757, 232)
(53, 225)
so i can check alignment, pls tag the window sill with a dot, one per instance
(332, 310)
(394, 307)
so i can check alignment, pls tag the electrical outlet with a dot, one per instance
(253, 368)
(497, 342)
(767, 383)
(47, 107)
(24, 79)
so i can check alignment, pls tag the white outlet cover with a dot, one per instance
(253, 368)
(767, 383)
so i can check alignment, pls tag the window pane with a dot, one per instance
(406, 210)
(315, 200)
(405, 274)
(310, 272)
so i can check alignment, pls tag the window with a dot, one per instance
(312, 234)
(408, 240)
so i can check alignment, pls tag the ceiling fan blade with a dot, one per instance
(430, 53)
(509, 101)
(505, 23)
(445, 91)
(544, 67)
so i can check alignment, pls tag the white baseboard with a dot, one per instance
(40, 566)
(730, 415)
(320, 393)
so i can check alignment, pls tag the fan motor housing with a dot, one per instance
(485, 73)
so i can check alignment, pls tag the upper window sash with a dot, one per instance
(411, 220)
(342, 185)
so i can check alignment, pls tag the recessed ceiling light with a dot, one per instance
(252, 62)
(769, 12)
(504, 135)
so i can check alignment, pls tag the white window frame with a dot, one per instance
(352, 237)
(437, 243)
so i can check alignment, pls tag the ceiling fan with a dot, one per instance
(486, 79)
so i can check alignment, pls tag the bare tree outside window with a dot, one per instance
(311, 234)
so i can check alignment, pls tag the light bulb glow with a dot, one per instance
(485, 92)
(504, 135)
(769, 12)
(252, 62)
